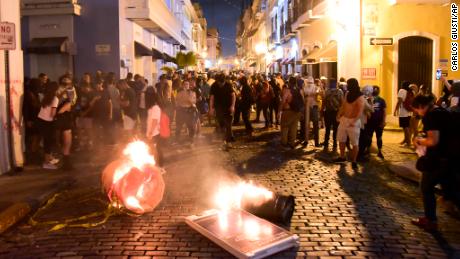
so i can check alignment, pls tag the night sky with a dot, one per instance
(224, 15)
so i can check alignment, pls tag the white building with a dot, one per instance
(214, 48)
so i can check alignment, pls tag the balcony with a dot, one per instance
(286, 31)
(50, 7)
(307, 11)
(154, 16)
(187, 25)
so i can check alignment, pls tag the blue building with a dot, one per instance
(120, 36)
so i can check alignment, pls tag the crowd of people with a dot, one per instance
(71, 115)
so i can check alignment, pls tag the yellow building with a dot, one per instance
(420, 35)
(380, 42)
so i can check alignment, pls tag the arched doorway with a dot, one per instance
(415, 60)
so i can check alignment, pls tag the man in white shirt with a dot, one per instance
(403, 113)
(310, 92)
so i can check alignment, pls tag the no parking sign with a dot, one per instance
(7, 36)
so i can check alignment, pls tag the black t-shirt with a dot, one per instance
(379, 111)
(101, 107)
(222, 95)
(84, 100)
(130, 95)
(437, 120)
(246, 96)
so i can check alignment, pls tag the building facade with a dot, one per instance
(379, 42)
(120, 36)
(213, 48)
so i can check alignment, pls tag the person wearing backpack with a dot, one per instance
(403, 109)
(310, 92)
(332, 102)
(291, 107)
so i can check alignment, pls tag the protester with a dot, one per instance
(265, 98)
(432, 147)
(65, 119)
(128, 103)
(246, 101)
(153, 126)
(291, 107)
(222, 104)
(349, 117)
(186, 112)
(364, 135)
(332, 102)
(30, 111)
(376, 123)
(101, 107)
(310, 92)
(85, 118)
(275, 103)
(403, 110)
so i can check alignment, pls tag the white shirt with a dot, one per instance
(402, 111)
(310, 91)
(153, 113)
(45, 112)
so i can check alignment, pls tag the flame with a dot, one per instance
(229, 197)
(138, 153)
(133, 202)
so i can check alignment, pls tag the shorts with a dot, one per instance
(128, 123)
(64, 121)
(404, 122)
(346, 131)
(84, 123)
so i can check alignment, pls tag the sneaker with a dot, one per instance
(425, 223)
(54, 161)
(354, 165)
(339, 160)
(380, 155)
(49, 166)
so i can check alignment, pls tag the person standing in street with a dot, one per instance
(349, 117)
(403, 110)
(332, 102)
(310, 92)
(246, 102)
(222, 104)
(153, 125)
(46, 123)
(265, 98)
(186, 111)
(376, 123)
(275, 103)
(433, 163)
(129, 104)
(291, 107)
(101, 108)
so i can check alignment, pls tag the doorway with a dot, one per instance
(415, 61)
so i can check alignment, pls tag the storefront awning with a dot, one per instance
(168, 58)
(156, 54)
(326, 54)
(47, 45)
(141, 51)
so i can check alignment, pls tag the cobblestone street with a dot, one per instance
(338, 212)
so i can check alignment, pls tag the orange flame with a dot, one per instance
(229, 196)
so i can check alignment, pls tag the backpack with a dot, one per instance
(333, 99)
(407, 104)
(165, 131)
(297, 103)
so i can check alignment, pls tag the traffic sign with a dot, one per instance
(381, 41)
(7, 36)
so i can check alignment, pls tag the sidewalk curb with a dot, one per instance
(17, 211)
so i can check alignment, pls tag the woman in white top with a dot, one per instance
(153, 124)
(46, 125)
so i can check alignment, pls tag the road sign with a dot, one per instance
(7, 36)
(381, 41)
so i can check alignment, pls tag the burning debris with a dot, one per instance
(134, 182)
(232, 226)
